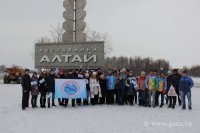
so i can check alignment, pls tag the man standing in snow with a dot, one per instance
(186, 83)
(151, 84)
(111, 81)
(51, 88)
(26, 87)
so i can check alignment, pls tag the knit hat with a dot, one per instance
(143, 73)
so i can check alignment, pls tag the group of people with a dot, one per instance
(110, 87)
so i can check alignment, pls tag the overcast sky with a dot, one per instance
(168, 29)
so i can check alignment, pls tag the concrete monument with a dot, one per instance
(74, 51)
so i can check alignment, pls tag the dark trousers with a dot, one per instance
(143, 97)
(120, 97)
(73, 102)
(157, 98)
(42, 100)
(25, 100)
(110, 97)
(103, 98)
(172, 101)
(131, 99)
(125, 96)
(95, 100)
(63, 102)
(179, 99)
(78, 101)
(116, 96)
(34, 100)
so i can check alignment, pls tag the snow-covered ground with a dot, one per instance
(95, 119)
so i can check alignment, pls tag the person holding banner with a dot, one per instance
(62, 101)
(95, 89)
(43, 88)
(34, 90)
(51, 88)
(70, 75)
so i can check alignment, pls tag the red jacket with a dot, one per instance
(141, 83)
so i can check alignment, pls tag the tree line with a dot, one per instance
(137, 64)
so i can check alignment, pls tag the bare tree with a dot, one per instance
(57, 33)
(96, 36)
(44, 39)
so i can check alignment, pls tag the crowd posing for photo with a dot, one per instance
(111, 87)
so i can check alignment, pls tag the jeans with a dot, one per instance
(189, 95)
(53, 99)
(152, 93)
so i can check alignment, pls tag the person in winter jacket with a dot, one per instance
(87, 81)
(169, 77)
(103, 85)
(132, 85)
(162, 87)
(121, 85)
(186, 83)
(51, 88)
(34, 90)
(26, 87)
(42, 88)
(143, 92)
(111, 82)
(95, 89)
(175, 79)
(151, 84)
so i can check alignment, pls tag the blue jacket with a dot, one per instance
(111, 82)
(186, 83)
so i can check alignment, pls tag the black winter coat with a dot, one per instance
(51, 83)
(26, 83)
(175, 80)
(103, 85)
(42, 85)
